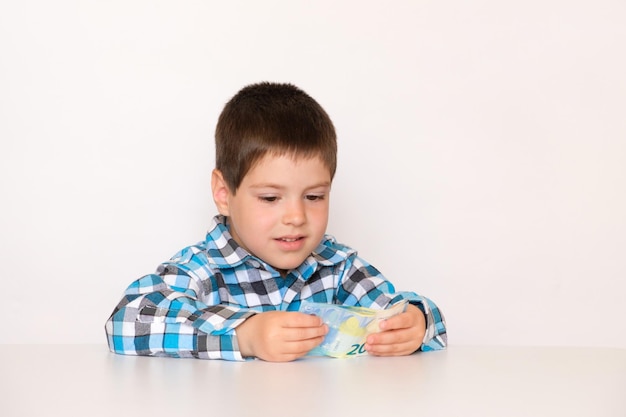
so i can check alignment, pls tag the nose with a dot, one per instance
(295, 213)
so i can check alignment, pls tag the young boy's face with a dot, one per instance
(280, 211)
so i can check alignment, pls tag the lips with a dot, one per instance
(291, 243)
(289, 239)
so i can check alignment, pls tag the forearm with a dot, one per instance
(163, 322)
(179, 341)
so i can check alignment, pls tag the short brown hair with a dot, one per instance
(276, 118)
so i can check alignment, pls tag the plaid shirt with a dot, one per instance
(193, 304)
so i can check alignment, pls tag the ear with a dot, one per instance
(220, 192)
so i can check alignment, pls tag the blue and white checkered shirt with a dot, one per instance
(193, 304)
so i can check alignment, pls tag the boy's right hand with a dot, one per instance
(280, 336)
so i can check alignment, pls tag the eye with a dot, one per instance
(315, 197)
(268, 198)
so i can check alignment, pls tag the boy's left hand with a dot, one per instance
(400, 335)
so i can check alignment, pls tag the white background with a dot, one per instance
(482, 151)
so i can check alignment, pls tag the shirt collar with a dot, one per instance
(224, 252)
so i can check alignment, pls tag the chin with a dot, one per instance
(288, 266)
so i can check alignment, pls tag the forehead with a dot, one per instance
(286, 168)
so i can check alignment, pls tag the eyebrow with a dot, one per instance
(324, 184)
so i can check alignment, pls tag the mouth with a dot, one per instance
(291, 243)
(290, 239)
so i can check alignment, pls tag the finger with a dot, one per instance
(397, 349)
(284, 350)
(390, 337)
(296, 334)
(293, 350)
(412, 317)
(400, 321)
(306, 344)
(390, 340)
(296, 319)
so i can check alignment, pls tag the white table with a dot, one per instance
(88, 380)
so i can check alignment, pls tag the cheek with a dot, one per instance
(320, 215)
(258, 217)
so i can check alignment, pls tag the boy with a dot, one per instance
(236, 295)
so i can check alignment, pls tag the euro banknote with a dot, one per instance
(348, 326)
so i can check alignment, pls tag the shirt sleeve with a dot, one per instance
(161, 315)
(363, 285)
